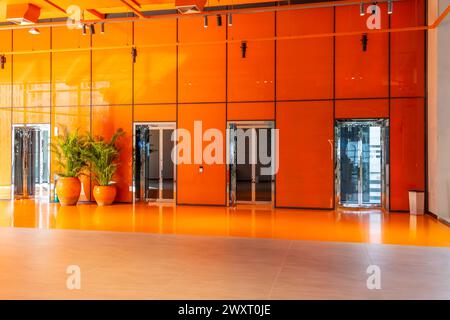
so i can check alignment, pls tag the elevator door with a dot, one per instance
(31, 166)
(362, 165)
(154, 178)
(251, 149)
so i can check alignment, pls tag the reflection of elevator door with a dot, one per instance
(251, 178)
(360, 155)
(155, 176)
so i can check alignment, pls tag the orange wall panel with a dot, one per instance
(361, 74)
(362, 109)
(73, 118)
(201, 67)
(407, 150)
(251, 78)
(305, 177)
(5, 155)
(6, 84)
(65, 38)
(71, 80)
(155, 71)
(407, 50)
(305, 66)
(167, 112)
(208, 187)
(201, 72)
(251, 111)
(6, 43)
(155, 75)
(31, 86)
(116, 34)
(31, 115)
(111, 77)
(25, 41)
(155, 32)
(105, 121)
(5, 74)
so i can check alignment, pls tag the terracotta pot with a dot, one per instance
(104, 195)
(68, 191)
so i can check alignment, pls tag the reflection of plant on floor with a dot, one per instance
(102, 156)
(68, 149)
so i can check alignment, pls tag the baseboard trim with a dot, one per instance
(438, 218)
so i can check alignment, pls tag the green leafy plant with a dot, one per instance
(68, 149)
(102, 157)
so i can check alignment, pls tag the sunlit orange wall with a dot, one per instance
(185, 72)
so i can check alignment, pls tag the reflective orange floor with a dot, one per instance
(244, 221)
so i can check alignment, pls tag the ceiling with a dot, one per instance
(109, 6)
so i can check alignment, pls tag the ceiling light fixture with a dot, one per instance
(219, 20)
(361, 9)
(2, 61)
(92, 29)
(244, 49)
(205, 22)
(83, 32)
(230, 20)
(364, 40)
(390, 7)
(102, 28)
(34, 31)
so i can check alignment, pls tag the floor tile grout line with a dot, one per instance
(283, 263)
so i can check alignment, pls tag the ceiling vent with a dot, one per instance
(190, 6)
(23, 14)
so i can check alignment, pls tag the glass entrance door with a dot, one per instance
(31, 165)
(250, 170)
(154, 170)
(362, 163)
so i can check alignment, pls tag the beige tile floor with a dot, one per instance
(114, 265)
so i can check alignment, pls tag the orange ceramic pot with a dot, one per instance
(104, 195)
(68, 191)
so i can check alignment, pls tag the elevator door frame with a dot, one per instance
(385, 164)
(41, 127)
(231, 179)
(154, 125)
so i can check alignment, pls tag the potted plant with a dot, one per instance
(102, 156)
(68, 149)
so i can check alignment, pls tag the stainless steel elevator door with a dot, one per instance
(361, 163)
(154, 178)
(31, 166)
(250, 152)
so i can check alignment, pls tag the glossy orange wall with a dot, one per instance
(362, 109)
(207, 187)
(305, 66)
(201, 67)
(361, 74)
(305, 176)
(407, 145)
(407, 51)
(184, 72)
(252, 78)
(5, 117)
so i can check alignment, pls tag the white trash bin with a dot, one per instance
(416, 202)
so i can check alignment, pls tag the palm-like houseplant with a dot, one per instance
(68, 148)
(102, 157)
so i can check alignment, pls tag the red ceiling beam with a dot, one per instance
(136, 11)
(136, 3)
(54, 5)
(94, 12)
